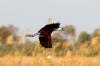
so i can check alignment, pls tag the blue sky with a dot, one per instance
(33, 14)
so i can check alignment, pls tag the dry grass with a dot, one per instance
(40, 60)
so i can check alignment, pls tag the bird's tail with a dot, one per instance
(32, 35)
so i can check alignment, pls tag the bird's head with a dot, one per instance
(56, 27)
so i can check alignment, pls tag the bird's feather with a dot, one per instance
(45, 40)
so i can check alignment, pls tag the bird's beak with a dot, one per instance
(62, 29)
(59, 29)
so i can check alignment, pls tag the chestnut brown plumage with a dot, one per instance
(45, 34)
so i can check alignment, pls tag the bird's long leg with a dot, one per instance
(32, 35)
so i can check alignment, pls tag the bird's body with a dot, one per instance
(45, 34)
(48, 29)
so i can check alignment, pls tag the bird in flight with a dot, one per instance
(45, 34)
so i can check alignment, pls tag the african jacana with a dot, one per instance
(45, 34)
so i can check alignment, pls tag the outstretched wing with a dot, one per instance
(45, 40)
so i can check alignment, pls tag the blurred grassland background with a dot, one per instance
(68, 48)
